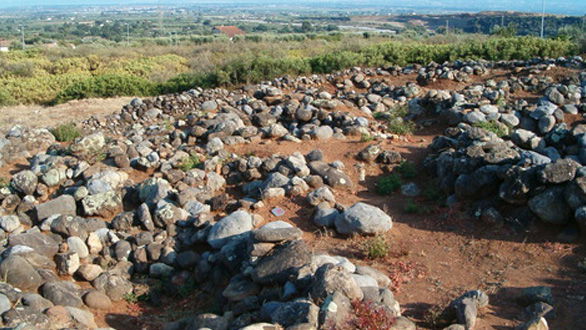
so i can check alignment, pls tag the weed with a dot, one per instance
(434, 317)
(407, 170)
(400, 126)
(412, 208)
(432, 193)
(366, 138)
(375, 247)
(189, 163)
(130, 297)
(379, 115)
(66, 132)
(492, 126)
(388, 184)
(4, 183)
(368, 316)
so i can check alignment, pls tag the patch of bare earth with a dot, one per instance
(44, 116)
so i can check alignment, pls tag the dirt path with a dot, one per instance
(41, 116)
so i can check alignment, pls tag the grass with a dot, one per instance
(499, 129)
(388, 184)
(407, 170)
(4, 182)
(400, 126)
(375, 247)
(130, 298)
(366, 138)
(189, 163)
(431, 192)
(66, 132)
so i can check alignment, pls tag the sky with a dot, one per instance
(570, 7)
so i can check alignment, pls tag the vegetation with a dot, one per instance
(375, 247)
(191, 162)
(492, 126)
(66, 132)
(388, 184)
(407, 170)
(367, 316)
(35, 76)
(366, 137)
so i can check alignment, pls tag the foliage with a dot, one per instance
(497, 128)
(388, 184)
(41, 76)
(505, 31)
(375, 247)
(366, 137)
(66, 132)
(107, 85)
(131, 298)
(4, 183)
(407, 170)
(411, 207)
(189, 163)
(366, 315)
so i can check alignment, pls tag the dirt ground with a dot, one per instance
(42, 116)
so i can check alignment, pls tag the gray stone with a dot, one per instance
(282, 263)
(114, 286)
(329, 279)
(62, 205)
(297, 312)
(42, 244)
(234, 226)
(82, 317)
(10, 223)
(98, 300)
(20, 273)
(325, 216)
(239, 288)
(62, 293)
(105, 204)
(25, 182)
(562, 170)
(277, 231)
(550, 206)
(362, 218)
(77, 245)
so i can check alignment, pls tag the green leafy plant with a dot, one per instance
(189, 163)
(388, 184)
(407, 170)
(366, 138)
(376, 247)
(66, 132)
(497, 128)
(131, 298)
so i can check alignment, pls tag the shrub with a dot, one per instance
(400, 126)
(407, 170)
(411, 207)
(189, 163)
(368, 316)
(366, 137)
(492, 126)
(388, 184)
(107, 85)
(66, 132)
(375, 247)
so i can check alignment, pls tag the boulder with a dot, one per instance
(62, 205)
(234, 226)
(362, 218)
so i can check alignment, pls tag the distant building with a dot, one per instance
(229, 30)
(4, 45)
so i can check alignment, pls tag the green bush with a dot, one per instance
(375, 247)
(497, 128)
(407, 170)
(189, 163)
(108, 85)
(388, 184)
(66, 132)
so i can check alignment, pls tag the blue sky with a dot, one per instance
(572, 7)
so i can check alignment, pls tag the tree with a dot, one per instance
(505, 31)
(306, 27)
